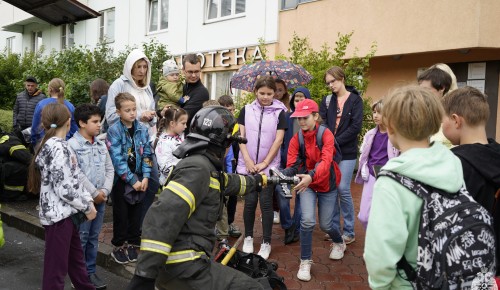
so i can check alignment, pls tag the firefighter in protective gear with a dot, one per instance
(178, 234)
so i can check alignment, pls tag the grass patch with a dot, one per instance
(6, 120)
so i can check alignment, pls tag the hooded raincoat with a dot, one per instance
(143, 95)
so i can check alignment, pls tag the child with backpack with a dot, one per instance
(466, 114)
(414, 189)
(376, 150)
(64, 202)
(318, 184)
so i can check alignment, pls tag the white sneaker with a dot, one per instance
(276, 218)
(248, 245)
(337, 251)
(265, 250)
(304, 273)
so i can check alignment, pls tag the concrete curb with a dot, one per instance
(31, 225)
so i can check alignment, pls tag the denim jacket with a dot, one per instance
(119, 142)
(95, 164)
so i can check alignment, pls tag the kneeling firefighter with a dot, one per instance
(178, 234)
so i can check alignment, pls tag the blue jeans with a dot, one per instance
(345, 197)
(286, 218)
(326, 204)
(89, 237)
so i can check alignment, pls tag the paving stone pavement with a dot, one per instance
(348, 273)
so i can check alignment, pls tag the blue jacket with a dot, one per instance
(37, 131)
(290, 131)
(119, 143)
(350, 122)
(94, 161)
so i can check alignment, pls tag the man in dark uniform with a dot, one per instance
(15, 159)
(178, 234)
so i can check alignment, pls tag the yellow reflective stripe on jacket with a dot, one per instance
(184, 256)
(155, 246)
(13, 187)
(214, 183)
(17, 147)
(183, 193)
(243, 185)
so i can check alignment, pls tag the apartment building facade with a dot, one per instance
(410, 35)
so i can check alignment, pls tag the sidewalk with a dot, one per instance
(348, 273)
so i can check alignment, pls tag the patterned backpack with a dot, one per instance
(456, 240)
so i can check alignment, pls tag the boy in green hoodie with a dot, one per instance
(466, 114)
(170, 86)
(411, 115)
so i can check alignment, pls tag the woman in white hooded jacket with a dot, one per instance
(135, 80)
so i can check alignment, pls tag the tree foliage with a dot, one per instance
(317, 62)
(77, 67)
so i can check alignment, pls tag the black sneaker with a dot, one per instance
(132, 253)
(291, 235)
(97, 282)
(120, 255)
(234, 231)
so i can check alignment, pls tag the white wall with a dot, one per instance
(187, 30)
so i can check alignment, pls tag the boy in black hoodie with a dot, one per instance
(464, 124)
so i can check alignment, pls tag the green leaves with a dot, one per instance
(77, 67)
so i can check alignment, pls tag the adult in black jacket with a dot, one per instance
(343, 113)
(193, 88)
(25, 105)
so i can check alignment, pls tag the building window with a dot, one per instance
(36, 41)
(218, 83)
(292, 4)
(158, 15)
(10, 44)
(107, 26)
(224, 8)
(67, 36)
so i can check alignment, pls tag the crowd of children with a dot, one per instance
(77, 177)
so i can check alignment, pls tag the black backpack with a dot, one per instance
(256, 267)
(456, 239)
(319, 141)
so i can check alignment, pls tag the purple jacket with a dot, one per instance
(261, 125)
(365, 151)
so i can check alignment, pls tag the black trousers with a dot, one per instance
(126, 218)
(205, 274)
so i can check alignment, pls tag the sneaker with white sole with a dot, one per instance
(337, 251)
(349, 240)
(265, 250)
(304, 273)
(276, 218)
(248, 245)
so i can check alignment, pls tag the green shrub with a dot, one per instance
(6, 120)
(76, 66)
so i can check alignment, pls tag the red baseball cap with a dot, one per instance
(305, 108)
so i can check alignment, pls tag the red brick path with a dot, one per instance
(348, 273)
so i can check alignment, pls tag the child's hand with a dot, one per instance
(148, 116)
(261, 166)
(250, 165)
(186, 98)
(137, 186)
(100, 197)
(305, 180)
(144, 184)
(92, 214)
